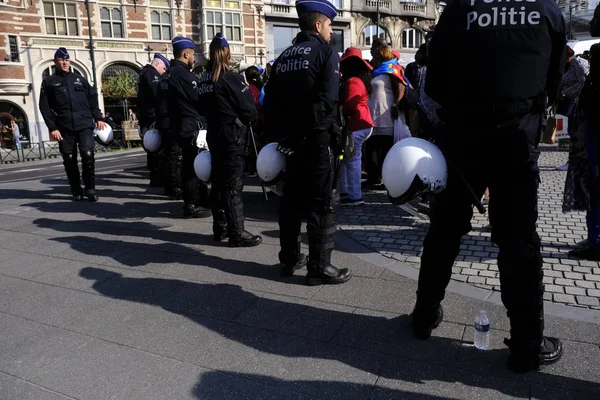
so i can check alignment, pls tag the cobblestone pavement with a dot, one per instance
(398, 232)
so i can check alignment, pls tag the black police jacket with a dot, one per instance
(162, 104)
(68, 102)
(301, 95)
(183, 100)
(147, 97)
(493, 58)
(230, 108)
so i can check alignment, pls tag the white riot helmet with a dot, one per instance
(411, 167)
(203, 166)
(104, 136)
(151, 140)
(270, 166)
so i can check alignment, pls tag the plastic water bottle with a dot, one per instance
(482, 331)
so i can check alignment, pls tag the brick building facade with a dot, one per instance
(126, 34)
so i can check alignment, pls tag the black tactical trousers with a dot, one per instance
(173, 162)
(505, 159)
(84, 140)
(226, 190)
(307, 192)
(194, 191)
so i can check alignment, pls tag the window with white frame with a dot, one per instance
(370, 34)
(411, 38)
(336, 3)
(225, 22)
(60, 18)
(111, 21)
(161, 25)
(14, 48)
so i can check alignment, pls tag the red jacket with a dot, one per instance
(356, 105)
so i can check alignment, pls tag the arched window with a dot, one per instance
(411, 38)
(370, 33)
(111, 21)
(11, 112)
(161, 25)
(112, 70)
(51, 69)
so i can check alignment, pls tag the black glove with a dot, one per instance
(286, 146)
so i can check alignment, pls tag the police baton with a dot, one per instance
(256, 152)
(476, 201)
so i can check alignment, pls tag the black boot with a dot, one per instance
(245, 239)
(321, 227)
(191, 211)
(234, 214)
(530, 357)
(72, 170)
(329, 275)
(426, 319)
(289, 269)
(219, 226)
(89, 177)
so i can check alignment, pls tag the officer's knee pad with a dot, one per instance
(87, 156)
(68, 158)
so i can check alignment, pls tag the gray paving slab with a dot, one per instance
(67, 275)
(48, 304)
(236, 386)
(310, 319)
(204, 342)
(15, 388)
(299, 360)
(373, 294)
(29, 265)
(539, 392)
(391, 334)
(418, 380)
(219, 301)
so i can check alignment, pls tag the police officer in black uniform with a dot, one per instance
(492, 126)
(300, 110)
(229, 109)
(147, 101)
(69, 106)
(185, 121)
(170, 147)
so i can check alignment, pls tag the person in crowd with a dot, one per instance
(356, 84)
(582, 186)
(170, 146)
(229, 110)
(387, 89)
(16, 134)
(147, 100)
(253, 79)
(185, 109)
(69, 106)
(492, 125)
(301, 113)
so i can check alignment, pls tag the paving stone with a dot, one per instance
(575, 291)
(593, 292)
(563, 298)
(554, 289)
(587, 301)
(592, 277)
(564, 282)
(586, 284)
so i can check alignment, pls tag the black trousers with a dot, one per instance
(226, 189)
(307, 192)
(376, 148)
(84, 141)
(173, 162)
(194, 191)
(505, 159)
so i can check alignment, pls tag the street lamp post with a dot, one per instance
(377, 32)
(92, 56)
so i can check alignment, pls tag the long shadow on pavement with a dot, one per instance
(284, 348)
